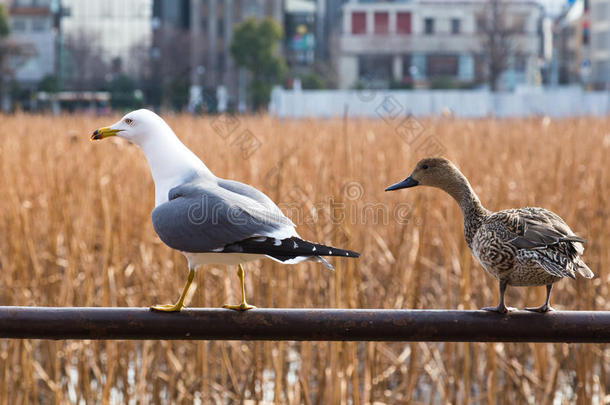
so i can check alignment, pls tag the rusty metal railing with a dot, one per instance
(304, 324)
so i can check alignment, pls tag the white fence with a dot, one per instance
(555, 102)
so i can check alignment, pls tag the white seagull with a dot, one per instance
(208, 219)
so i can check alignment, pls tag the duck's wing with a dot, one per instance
(536, 228)
(546, 237)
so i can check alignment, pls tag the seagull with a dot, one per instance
(208, 219)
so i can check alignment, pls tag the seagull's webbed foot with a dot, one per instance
(180, 304)
(168, 307)
(542, 308)
(243, 306)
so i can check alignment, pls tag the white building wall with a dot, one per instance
(600, 42)
(562, 102)
(35, 31)
(348, 68)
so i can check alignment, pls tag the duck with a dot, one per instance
(528, 246)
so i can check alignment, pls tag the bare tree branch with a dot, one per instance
(86, 67)
(499, 39)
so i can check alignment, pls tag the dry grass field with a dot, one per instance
(75, 230)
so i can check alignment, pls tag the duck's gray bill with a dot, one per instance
(406, 183)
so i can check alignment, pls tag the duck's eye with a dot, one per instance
(128, 121)
(424, 167)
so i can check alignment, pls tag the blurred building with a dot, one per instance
(419, 41)
(312, 30)
(328, 27)
(572, 44)
(209, 25)
(600, 43)
(299, 33)
(117, 28)
(32, 28)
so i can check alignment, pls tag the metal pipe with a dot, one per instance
(304, 324)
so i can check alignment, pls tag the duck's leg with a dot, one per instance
(501, 308)
(180, 304)
(546, 307)
(243, 306)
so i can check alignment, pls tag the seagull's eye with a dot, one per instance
(128, 121)
(424, 167)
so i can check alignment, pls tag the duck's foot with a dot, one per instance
(542, 308)
(499, 309)
(244, 306)
(177, 307)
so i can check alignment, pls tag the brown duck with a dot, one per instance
(520, 247)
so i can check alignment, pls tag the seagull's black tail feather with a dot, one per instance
(285, 249)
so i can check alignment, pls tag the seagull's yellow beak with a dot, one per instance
(104, 133)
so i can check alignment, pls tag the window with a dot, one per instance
(455, 26)
(358, 22)
(375, 70)
(585, 36)
(520, 63)
(382, 22)
(600, 12)
(519, 23)
(403, 23)
(220, 61)
(407, 68)
(18, 25)
(481, 22)
(429, 25)
(39, 3)
(601, 41)
(39, 24)
(601, 69)
(441, 65)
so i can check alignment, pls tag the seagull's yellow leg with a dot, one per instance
(180, 304)
(244, 305)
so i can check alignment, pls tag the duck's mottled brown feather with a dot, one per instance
(535, 227)
(528, 246)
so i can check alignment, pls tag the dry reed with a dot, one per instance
(75, 231)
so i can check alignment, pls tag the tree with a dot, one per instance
(176, 93)
(311, 81)
(498, 39)
(85, 66)
(254, 47)
(49, 84)
(164, 69)
(123, 93)
(4, 29)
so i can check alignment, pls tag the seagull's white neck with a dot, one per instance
(171, 163)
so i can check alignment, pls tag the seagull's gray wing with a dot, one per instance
(254, 194)
(205, 216)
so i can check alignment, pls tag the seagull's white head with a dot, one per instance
(171, 163)
(137, 126)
